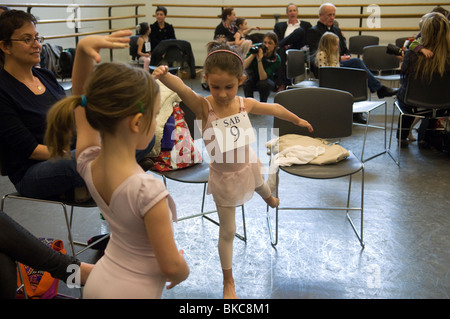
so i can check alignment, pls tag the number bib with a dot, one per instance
(147, 46)
(233, 132)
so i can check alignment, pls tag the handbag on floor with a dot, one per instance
(39, 284)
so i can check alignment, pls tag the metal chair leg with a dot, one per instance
(273, 238)
(273, 231)
(378, 127)
(64, 207)
(204, 214)
(22, 282)
(360, 233)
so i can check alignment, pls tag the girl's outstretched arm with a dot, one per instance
(87, 54)
(276, 110)
(192, 100)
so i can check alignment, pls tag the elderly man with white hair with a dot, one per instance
(327, 14)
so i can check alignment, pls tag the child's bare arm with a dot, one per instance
(427, 53)
(276, 110)
(192, 100)
(87, 54)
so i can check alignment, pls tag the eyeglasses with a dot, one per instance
(30, 41)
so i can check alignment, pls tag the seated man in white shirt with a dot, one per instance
(282, 30)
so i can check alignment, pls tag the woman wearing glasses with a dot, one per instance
(26, 94)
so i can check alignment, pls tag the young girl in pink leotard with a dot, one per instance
(141, 254)
(232, 182)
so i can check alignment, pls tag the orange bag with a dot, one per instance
(40, 284)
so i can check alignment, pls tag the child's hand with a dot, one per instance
(160, 71)
(91, 45)
(306, 124)
(345, 57)
(174, 283)
(427, 53)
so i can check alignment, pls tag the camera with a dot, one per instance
(394, 50)
(255, 48)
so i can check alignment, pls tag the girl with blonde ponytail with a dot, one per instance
(435, 36)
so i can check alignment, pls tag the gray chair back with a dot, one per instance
(295, 63)
(400, 41)
(376, 58)
(358, 42)
(133, 47)
(350, 80)
(434, 95)
(329, 112)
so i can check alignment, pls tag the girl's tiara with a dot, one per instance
(227, 51)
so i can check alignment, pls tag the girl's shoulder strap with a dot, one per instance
(242, 106)
(210, 109)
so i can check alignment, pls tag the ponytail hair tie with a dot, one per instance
(83, 100)
(141, 107)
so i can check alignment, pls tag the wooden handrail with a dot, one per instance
(91, 19)
(396, 29)
(342, 28)
(299, 5)
(79, 34)
(43, 5)
(262, 16)
(304, 16)
(347, 16)
(359, 16)
(75, 20)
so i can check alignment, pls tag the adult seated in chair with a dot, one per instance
(160, 29)
(327, 13)
(291, 35)
(26, 94)
(261, 67)
(226, 30)
(435, 36)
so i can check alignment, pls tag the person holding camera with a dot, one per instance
(261, 63)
